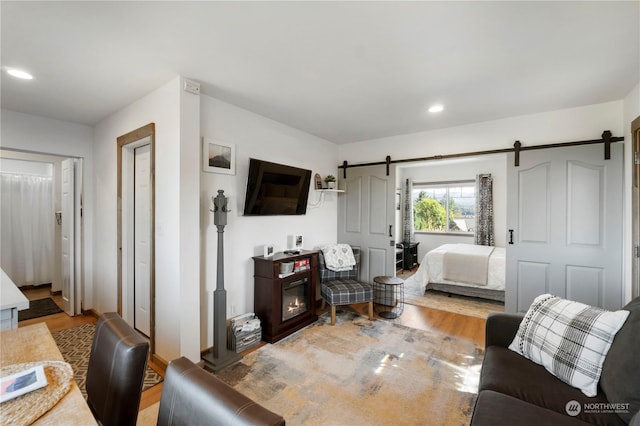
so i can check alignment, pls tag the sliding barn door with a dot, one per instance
(565, 217)
(366, 218)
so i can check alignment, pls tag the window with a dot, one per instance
(444, 207)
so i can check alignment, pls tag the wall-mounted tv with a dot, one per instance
(276, 189)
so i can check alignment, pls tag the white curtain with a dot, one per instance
(27, 228)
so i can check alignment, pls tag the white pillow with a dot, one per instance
(569, 339)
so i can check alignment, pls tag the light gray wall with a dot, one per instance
(177, 324)
(256, 137)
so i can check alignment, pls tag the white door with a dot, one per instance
(366, 218)
(565, 216)
(142, 239)
(635, 262)
(67, 236)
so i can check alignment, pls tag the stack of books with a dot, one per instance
(301, 265)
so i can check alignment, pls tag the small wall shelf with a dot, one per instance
(330, 190)
(320, 201)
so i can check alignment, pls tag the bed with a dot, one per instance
(446, 268)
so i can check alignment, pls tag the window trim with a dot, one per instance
(444, 184)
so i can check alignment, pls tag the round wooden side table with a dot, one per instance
(388, 296)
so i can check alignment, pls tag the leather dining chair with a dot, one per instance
(115, 373)
(193, 396)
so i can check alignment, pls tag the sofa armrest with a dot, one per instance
(501, 328)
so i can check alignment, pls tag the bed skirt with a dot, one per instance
(483, 293)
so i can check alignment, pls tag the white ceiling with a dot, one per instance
(344, 71)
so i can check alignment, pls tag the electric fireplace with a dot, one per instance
(285, 301)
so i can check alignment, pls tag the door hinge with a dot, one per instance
(637, 251)
(636, 159)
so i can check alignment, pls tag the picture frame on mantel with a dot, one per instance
(218, 156)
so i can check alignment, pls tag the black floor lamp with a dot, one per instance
(220, 357)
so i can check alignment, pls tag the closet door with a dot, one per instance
(564, 223)
(68, 236)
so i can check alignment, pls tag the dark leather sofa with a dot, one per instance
(516, 391)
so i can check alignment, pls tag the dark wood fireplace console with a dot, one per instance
(297, 289)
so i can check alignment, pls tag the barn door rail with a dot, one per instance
(607, 139)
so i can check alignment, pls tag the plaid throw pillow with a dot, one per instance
(569, 339)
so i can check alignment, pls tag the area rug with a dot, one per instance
(471, 306)
(75, 345)
(39, 308)
(362, 372)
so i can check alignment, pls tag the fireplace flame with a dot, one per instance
(295, 305)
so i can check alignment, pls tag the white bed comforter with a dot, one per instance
(430, 270)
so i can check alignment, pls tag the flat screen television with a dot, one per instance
(276, 189)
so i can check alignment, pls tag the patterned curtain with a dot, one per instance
(407, 213)
(484, 210)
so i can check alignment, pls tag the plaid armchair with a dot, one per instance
(343, 288)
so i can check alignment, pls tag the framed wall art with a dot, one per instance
(218, 156)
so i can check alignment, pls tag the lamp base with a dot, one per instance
(216, 364)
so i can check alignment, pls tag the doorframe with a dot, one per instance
(635, 210)
(123, 141)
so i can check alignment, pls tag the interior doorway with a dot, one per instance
(32, 222)
(136, 253)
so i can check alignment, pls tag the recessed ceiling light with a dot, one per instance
(436, 108)
(19, 74)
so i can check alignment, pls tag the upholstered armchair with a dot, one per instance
(344, 288)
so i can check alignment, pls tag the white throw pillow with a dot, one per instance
(569, 339)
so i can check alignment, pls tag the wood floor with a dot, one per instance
(461, 326)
